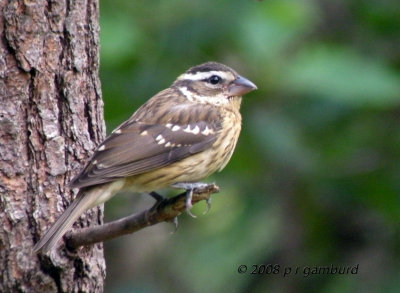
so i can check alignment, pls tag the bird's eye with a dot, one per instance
(214, 79)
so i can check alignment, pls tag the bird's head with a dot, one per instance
(213, 83)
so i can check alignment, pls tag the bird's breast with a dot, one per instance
(226, 142)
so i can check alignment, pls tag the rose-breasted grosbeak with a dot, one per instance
(181, 135)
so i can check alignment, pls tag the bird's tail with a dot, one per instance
(83, 201)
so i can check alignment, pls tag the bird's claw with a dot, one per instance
(190, 186)
(208, 202)
(189, 205)
(176, 224)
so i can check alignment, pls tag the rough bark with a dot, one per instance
(50, 121)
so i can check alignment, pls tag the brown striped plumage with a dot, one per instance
(182, 134)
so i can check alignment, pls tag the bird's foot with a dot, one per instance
(189, 187)
(208, 202)
(176, 223)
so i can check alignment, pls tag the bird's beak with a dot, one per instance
(241, 86)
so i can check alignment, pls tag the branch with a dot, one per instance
(164, 210)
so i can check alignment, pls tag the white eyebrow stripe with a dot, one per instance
(202, 75)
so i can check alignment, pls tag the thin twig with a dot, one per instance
(165, 210)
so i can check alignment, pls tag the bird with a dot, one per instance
(177, 138)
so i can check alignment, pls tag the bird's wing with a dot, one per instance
(150, 140)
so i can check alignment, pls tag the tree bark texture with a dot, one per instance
(51, 118)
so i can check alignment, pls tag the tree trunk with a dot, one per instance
(51, 118)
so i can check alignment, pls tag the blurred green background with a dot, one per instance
(315, 179)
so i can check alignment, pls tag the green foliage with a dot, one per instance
(339, 74)
(315, 179)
